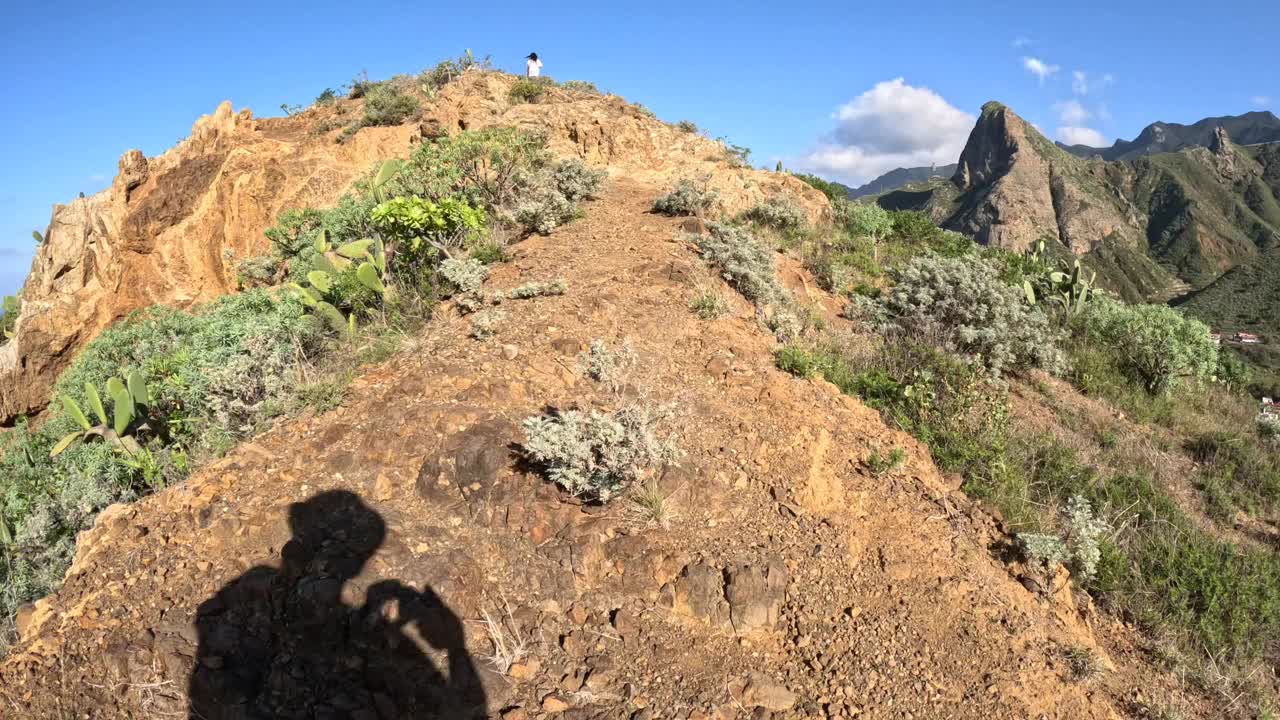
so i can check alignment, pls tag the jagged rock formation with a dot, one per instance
(171, 229)
(1148, 226)
(1248, 129)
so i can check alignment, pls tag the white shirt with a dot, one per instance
(534, 67)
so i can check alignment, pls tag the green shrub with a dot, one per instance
(577, 182)
(687, 126)
(465, 275)
(551, 198)
(778, 212)
(257, 271)
(580, 87)
(1158, 346)
(610, 367)
(833, 191)
(865, 221)
(10, 309)
(326, 97)
(490, 168)
(528, 90)
(708, 305)
(966, 307)
(212, 375)
(447, 71)
(738, 156)
(384, 106)
(688, 197)
(597, 455)
(743, 261)
(881, 465)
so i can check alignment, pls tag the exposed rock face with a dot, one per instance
(1197, 212)
(171, 229)
(1018, 188)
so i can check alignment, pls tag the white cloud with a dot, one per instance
(891, 125)
(1260, 101)
(1108, 79)
(1082, 136)
(1079, 82)
(1039, 68)
(1071, 112)
(1021, 41)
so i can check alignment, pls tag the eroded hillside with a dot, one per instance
(398, 552)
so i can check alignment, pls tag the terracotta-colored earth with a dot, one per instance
(394, 558)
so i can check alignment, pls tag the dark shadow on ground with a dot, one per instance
(283, 643)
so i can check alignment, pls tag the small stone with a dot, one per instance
(510, 352)
(555, 703)
(524, 670)
(517, 713)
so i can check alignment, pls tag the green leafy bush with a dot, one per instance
(466, 275)
(1079, 547)
(1156, 345)
(597, 455)
(687, 126)
(832, 190)
(577, 182)
(384, 106)
(778, 212)
(580, 87)
(257, 271)
(865, 220)
(212, 376)
(688, 197)
(966, 307)
(528, 90)
(610, 367)
(708, 305)
(744, 262)
(10, 307)
(326, 97)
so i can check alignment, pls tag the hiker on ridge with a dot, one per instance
(532, 68)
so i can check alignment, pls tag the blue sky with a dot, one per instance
(846, 89)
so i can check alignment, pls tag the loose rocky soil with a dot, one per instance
(790, 582)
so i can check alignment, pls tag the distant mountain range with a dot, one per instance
(901, 177)
(1160, 137)
(1160, 225)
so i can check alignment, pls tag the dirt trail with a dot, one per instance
(790, 581)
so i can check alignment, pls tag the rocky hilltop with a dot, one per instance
(395, 550)
(171, 229)
(1149, 226)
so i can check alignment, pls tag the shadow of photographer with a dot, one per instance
(284, 644)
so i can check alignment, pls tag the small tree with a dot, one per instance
(868, 221)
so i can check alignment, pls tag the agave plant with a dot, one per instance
(129, 402)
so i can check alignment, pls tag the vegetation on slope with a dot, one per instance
(928, 369)
(339, 288)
